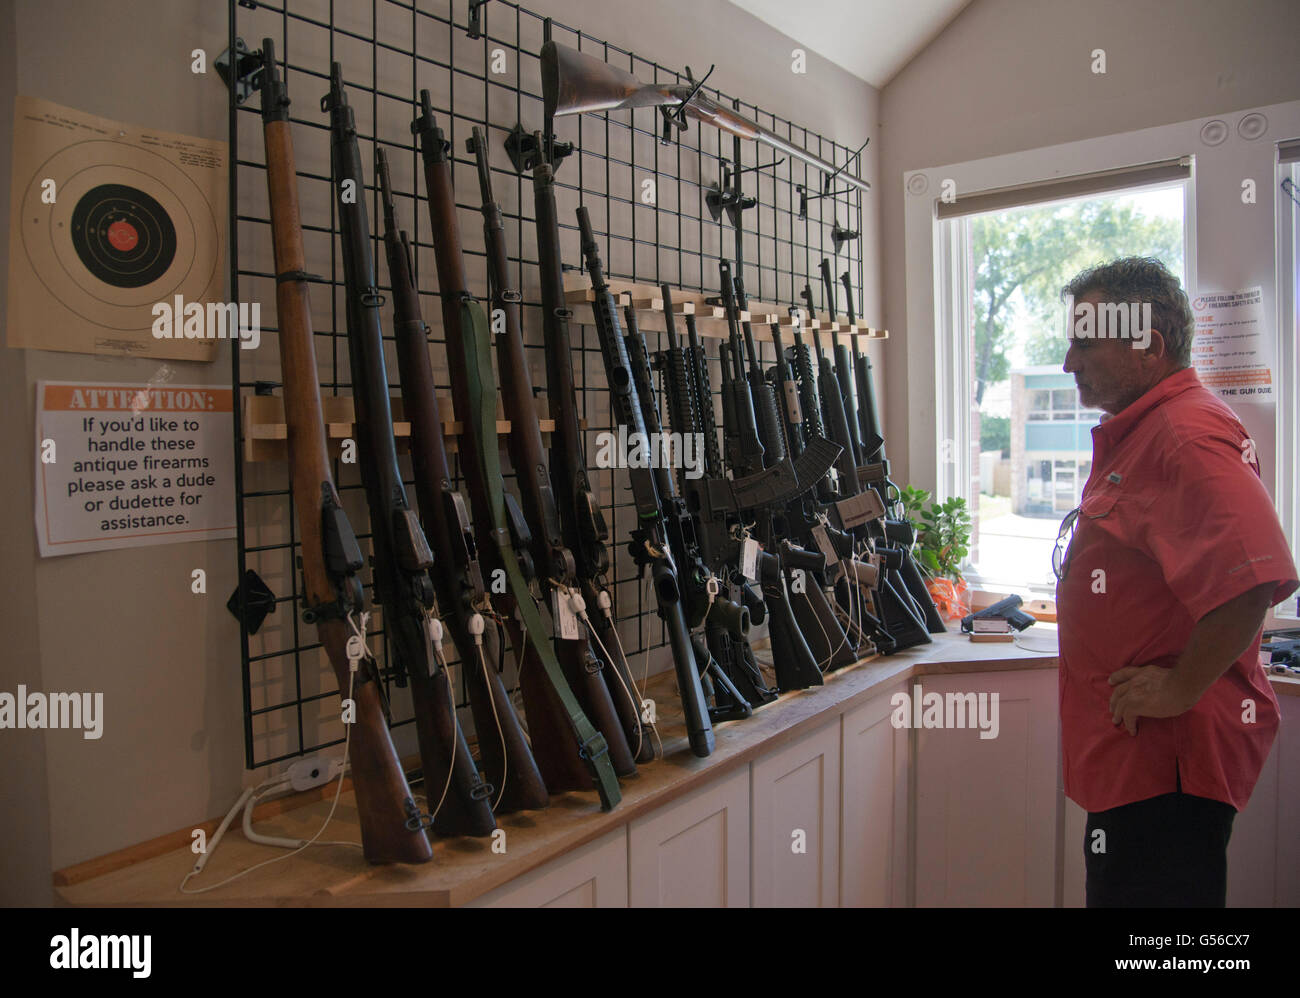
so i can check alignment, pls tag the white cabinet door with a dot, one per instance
(873, 807)
(795, 809)
(592, 876)
(1264, 851)
(1288, 806)
(693, 852)
(986, 807)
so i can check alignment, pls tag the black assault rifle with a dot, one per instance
(649, 546)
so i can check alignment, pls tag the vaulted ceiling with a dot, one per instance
(872, 39)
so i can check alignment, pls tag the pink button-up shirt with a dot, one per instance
(1174, 523)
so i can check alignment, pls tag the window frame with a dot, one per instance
(1287, 360)
(955, 332)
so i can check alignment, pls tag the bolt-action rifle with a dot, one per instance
(458, 581)
(570, 752)
(553, 561)
(391, 829)
(582, 522)
(402, 557)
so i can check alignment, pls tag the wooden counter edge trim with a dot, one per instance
(599, 824)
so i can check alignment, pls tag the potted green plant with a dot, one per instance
(942, 542)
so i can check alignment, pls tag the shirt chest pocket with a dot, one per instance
(1096, 531)
(1099, 506)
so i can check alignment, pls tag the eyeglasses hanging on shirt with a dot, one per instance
(1061, 554)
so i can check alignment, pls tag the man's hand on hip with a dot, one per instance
(1146, 691)
(1216, 642)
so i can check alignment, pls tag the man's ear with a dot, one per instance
(1155, 352)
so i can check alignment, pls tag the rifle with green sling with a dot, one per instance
(568, 749)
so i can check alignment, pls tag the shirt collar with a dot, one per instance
(1118, 426)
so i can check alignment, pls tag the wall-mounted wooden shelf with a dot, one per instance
(710, 320)
(266, 435)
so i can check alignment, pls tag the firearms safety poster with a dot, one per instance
(1231, 352)
(126, 465)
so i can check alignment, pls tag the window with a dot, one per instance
(1287, 494)
(1006, 268)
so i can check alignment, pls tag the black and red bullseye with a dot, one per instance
(123, 236)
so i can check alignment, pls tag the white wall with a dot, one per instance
(124, 622)
(1010, 75)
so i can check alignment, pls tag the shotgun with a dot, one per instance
(508, 762)
(570, 752)
(391, 826)
(459, 798)
(576, 83)
(555, 565)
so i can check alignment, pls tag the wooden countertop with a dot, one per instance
(463, 868)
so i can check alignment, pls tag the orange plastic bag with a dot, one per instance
(949, 598)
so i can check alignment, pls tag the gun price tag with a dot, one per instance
(566, 624)
(858, 509)
(749, 559)
(824, 545)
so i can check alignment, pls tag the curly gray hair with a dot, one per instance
(1144, 279)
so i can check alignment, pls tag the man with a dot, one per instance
(1175, 556)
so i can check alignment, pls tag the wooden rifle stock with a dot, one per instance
(556, 570)
(507, 760)
(502, 538)
(582, 521)
(402, 558)
(329, 552)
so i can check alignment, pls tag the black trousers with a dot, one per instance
(1168, 851)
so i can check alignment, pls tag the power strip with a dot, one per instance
(313, 771)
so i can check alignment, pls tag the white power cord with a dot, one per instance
(356, 650)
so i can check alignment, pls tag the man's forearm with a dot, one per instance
(1218, 639)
